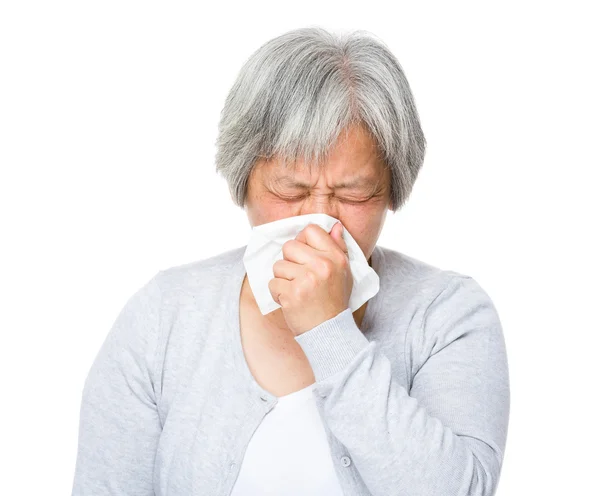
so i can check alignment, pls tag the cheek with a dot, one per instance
(364, 223)
(358, 220)
(268, 209)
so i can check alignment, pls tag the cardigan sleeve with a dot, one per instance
(119, 426)
(446, 435)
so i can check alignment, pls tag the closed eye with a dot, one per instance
(351, 202)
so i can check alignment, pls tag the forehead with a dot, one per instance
(352, 161)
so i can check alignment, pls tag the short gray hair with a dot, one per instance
(299, 91)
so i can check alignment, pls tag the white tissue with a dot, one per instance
(265, 248)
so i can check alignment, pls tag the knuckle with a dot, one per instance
(287, 246)
(326, 267)
(343, 261)
(312, 278)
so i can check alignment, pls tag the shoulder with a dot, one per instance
(204, 275)
(410, 278)
(442, 310)
(438, 300)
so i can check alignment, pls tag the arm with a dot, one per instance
(119, 425)
(444, 437)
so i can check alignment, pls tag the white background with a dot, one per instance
(108, 118)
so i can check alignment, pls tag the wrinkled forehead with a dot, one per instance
(342, 175)
(360, 172)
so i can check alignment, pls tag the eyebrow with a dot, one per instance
(346, 184)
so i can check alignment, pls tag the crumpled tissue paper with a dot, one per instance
(266, 247)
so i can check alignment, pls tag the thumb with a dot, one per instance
(337, 233)
(336, 230)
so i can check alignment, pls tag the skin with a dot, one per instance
(313, 281)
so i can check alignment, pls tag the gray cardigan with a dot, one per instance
(417, 404)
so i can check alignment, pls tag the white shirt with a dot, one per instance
(288, 452)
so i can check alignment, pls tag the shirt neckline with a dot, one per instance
(239, 271)
(297, 396)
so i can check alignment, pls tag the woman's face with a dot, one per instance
(353, 186)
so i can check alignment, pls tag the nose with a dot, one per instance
(320, 204)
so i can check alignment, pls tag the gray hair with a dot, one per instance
(300, 90)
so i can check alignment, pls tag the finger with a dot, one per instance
(317, 237)
(339, 237)
(299, 252)
(284, 269)
(279, 288)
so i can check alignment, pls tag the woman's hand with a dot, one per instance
(313, 281)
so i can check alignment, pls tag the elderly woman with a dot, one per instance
(196, 392)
